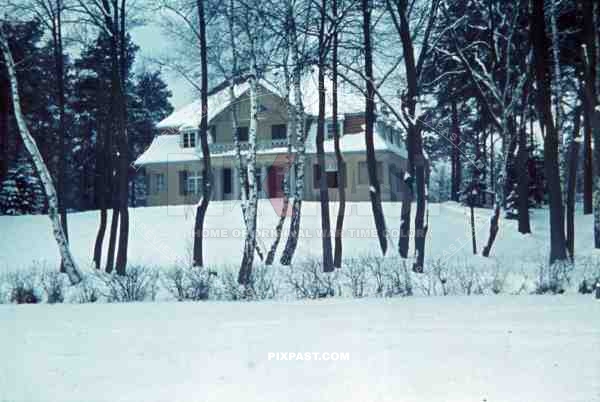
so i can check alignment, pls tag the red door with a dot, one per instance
(276, 175)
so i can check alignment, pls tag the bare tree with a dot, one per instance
(341, 164)
(399, 10)
(374, 189)
(203, 133)
(68, 261)
(542, 60)
(300, 124)
(323, 185)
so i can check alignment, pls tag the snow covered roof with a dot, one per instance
(190, 115)
(354, 142)
(349, 100)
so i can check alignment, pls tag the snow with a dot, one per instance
(161, 235)
(519, 348)
(472, 348)
(166, 148)
(353, 143)
(349, 101)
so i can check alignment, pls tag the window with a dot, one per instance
(242, 133)
(330, 126)
(194, 183)
(159, 182)
(278, 132)
(227, 181)
(332, 178)
(363, 172)
(189, 139)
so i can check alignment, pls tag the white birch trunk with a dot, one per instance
(292, 241)
(251, 209)
(61, 240)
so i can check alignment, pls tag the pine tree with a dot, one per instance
(21, 192)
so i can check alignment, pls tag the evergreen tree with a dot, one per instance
(21, 192)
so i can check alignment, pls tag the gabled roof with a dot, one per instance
(190, 115)
(349, 100)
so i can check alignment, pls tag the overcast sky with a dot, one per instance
(153, 44)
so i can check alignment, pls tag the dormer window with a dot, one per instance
(188, 139)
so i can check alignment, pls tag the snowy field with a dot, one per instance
(499, 348)
(162, 236)
(486, 348)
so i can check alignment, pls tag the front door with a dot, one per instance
(276, 176)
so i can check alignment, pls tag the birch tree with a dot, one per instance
(300, 123)
(68, 261)
(203, 133)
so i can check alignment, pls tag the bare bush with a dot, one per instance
(308, 280)
(53, 283)
(354, 271)
(189, 283)
(553, 278)
(23, 288)
(468, 279)
(398, 278)
(138, 284)
(262, 283)
(88, 290)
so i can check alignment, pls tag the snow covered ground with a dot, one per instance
(160, 236)
(498, 348)
(486, 348)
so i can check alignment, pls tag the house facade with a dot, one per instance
(172, 165)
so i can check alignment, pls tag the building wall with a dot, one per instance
(391, 184)
(392, 188)
(276, 113)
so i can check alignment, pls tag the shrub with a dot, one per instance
(308, 280)
(398, 280)
(355, 273)
(138, 284)
(23, 288)
(189, 283)
(53, 283)
(553, 278)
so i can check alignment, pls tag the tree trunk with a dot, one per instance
(203, 131)
(241, 167)
(456, 165)
(292, 240)
(323, 185)
(473, 231)
(494, 227)
(60, 92)
(244, 276)
(551, 157)
(341, 164)
(102, 184)
(374, 190)
(123, 158)
(61, 240)
(587, 163)
(592, 108)
(572, 183)
(416, 158)
(523, 183)
(286, 180)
